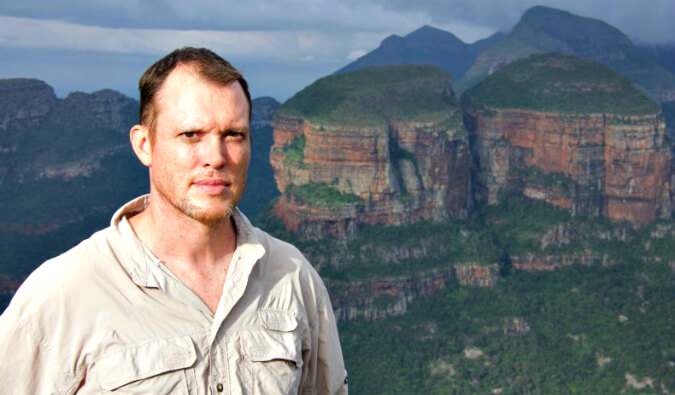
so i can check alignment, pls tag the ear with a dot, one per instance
(140, 142)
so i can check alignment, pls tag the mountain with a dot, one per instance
(72, 149)
(556, 277)
(426, 45)
(65, 166)
(263, 110)
(662, 53)
(374, 146)
(573, 133)
(543, 29)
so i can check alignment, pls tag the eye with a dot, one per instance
(234, 135)
(189, 135)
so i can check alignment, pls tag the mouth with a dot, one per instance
(212, 186)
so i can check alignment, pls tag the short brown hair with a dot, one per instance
(208, 65)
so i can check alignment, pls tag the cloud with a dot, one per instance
(282, 44)
(251, 44)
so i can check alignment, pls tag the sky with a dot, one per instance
(281, 46)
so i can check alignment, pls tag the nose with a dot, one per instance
(214, 153)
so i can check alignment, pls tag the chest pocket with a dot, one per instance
(160, 366)
(272, 354)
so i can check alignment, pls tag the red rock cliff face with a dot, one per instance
(403, 172)
(592, 164)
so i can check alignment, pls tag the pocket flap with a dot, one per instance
(278, 320)
(145, 360)
(264, 346)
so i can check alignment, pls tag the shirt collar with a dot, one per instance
(134, 259)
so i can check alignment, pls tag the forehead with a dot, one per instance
(186, 95)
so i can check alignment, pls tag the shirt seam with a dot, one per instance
(136, 345)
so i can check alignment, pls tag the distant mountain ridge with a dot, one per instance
(426, 45)
(540, 29)
(544, 29)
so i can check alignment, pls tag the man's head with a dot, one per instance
(194, 135)
(208, 65)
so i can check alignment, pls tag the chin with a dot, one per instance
(210, 215)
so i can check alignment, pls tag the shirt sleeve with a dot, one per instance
(30, 363)
(326, 370)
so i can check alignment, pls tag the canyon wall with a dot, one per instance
(617, 166)
(338, 177)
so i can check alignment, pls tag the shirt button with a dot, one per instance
(219, 387)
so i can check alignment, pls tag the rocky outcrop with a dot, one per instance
(61, 160)
(105, 108)
(592, 164)
(380, 298)
(401, 172)
(387, 171)
(262, 111)
(544, 262)
(574, 134)
(24, 103)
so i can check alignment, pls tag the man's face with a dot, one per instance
(201, 147)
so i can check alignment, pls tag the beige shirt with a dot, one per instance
(107, 316)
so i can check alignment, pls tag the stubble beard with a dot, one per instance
(207, 217)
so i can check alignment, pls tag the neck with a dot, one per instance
(179, 240)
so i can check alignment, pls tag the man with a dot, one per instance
(180, 294)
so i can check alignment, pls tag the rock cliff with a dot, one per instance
(24, 103)
(384, 297)
(62, 160)
(572, 133)
(376, 146)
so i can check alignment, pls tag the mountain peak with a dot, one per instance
(549, 29)
(427, 32)
(426, 45)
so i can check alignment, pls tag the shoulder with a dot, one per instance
(279, 249)
(281, 256)
(282, 253)
(64, 277)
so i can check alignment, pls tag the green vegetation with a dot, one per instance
(120, 178)
(260, 184)
(507, 48)
(322, 194)
(560, 83)
(376, 96)
(581, 329)
(573, 341)
(295, 152)
(552, 180)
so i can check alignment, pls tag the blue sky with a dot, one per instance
(281, 46)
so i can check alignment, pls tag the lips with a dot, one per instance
(212, 186)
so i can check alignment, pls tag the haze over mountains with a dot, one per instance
(540, 29)
(504, 220)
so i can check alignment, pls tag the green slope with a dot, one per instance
(560, 83)
(376, 96)
(579, 329)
